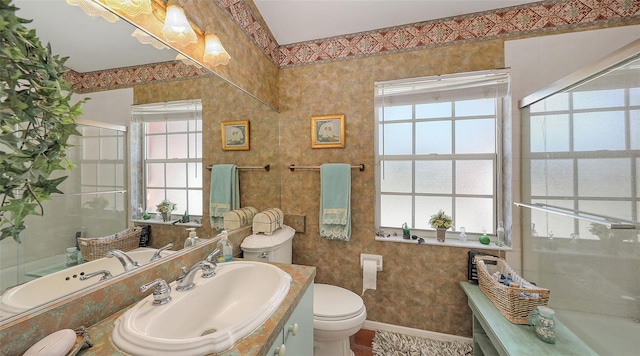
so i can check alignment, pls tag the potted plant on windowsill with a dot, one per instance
(441, 222)
(165, 208)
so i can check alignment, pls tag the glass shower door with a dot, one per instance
(94, 204)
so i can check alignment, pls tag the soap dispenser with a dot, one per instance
(225, 247)
(192, 240)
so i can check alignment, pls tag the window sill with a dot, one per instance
(449, 242)
(160, 222)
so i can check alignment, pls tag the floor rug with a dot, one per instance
(387, 343)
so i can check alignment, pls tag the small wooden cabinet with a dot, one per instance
(493, 334)
(296, 339)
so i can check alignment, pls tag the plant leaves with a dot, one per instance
(37, 118)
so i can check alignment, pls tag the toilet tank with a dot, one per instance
(276, 247)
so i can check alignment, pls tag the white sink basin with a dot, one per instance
(209, 318)
(55, 285)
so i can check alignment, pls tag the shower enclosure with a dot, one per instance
(94, 204)
(581, 188)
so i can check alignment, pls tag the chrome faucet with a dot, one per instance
(213, 256)
(127, 262)
(156, 256)
(185, 278)
(161, 293)
(103, 272)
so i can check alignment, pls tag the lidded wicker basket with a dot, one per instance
(516, 301)
(96, 247)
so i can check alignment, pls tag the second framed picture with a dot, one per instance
(235, 135)
(327, 131)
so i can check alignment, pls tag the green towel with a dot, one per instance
(335, 201)
(225, 193)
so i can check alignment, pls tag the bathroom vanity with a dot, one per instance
(293, 316)
(297, 336)
(493, 334)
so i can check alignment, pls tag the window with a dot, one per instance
(171, 146)
(437, 148)
(102, 166)
(582, 152)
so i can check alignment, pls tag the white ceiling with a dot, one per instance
(292, 21)
(91, 43)
(94, 44)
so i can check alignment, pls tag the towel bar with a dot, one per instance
(293, 167)
(266, 167)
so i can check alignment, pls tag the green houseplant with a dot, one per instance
(441, 222)
(36, 119)
(165, 208)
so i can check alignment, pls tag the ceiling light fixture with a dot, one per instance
(130, 7)
(176, 26)
(94, 9)
(214, 52)
(146, 38)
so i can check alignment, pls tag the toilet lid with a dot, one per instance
(260, 242)
(333, 302)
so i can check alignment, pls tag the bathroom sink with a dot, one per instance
(208, 318)
(58, 284)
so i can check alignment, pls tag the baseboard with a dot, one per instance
(375, 325)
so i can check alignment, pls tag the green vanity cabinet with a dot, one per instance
(493, 334)
(301, 323)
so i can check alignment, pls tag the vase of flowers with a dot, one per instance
(165, 208)
(441, 222)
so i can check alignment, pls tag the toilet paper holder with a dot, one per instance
(377, 258)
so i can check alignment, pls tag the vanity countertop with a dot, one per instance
(257, 343)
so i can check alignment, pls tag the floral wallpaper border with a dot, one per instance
(546, 16)
(505, 22)
(127, 76)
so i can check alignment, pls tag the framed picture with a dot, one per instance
(235, 135)
(327, 131)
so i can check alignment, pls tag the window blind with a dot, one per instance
(466, 86)
(173, 110)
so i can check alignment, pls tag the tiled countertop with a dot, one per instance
(257, 343)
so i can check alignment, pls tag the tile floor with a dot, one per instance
(361, 342)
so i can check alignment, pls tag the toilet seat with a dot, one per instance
(333, 303)
(338, 314)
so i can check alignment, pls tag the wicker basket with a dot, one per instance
(515, 303)
(96, 247)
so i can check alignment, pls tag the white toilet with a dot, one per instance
(338, 313)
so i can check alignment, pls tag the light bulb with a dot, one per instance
(176, 26)
(214, 52)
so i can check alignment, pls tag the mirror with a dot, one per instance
(221, 102)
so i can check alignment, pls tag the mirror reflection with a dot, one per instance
(104, 190)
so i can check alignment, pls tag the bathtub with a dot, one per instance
(58, 284)
(606, 335)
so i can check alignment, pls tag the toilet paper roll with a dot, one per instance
(369, 275)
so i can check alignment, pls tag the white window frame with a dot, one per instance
(187, 110)
(434, 86)
(102, 132)
(575, 156)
